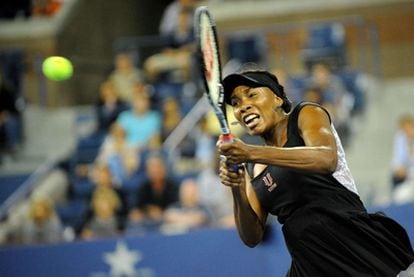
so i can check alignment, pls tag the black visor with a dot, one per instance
(251, 79)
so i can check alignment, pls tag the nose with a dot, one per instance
(245, 107)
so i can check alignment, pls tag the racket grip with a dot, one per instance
(228, 138)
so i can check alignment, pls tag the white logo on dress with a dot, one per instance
(268, 181)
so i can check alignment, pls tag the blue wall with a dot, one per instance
(200, 253)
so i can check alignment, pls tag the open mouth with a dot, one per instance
(251, 120)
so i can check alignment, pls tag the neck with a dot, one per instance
(278, 135)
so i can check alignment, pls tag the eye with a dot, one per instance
(252, 94)
(233, 102)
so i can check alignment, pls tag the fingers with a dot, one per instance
(224, 150)
(219, 141)
(229, 177)
(233, 151)
(222, 146)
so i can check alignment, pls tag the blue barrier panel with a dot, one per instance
(200, 253)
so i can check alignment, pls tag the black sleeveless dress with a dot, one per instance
(327, 230)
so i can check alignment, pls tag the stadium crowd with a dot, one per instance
(121, 178)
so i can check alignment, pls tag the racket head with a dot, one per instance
(210, 65)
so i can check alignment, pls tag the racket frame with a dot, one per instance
(218, 105)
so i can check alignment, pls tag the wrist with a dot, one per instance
(252, 155)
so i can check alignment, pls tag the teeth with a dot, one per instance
(250, 118)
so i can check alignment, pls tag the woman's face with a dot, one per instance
(123, 62)
(108, 93)
(103, 176)
(254, 108)
(141, 104)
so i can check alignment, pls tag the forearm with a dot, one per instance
(320, 159)
(249, 225)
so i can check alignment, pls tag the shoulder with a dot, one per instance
(311, 112)
(309, 107)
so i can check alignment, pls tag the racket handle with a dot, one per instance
(228, 138)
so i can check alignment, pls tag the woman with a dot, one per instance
(301, 176)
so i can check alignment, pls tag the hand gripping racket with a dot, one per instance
(209, 58)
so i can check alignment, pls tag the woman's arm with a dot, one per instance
(249, 215)
(318, 155)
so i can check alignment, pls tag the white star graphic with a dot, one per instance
(122, 261)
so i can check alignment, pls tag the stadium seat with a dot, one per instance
(72, 213)
(246, 48)
(326, 43)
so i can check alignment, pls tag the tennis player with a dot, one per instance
(301, 176)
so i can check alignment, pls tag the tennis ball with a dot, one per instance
(57, 68)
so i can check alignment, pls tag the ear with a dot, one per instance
(278, 101)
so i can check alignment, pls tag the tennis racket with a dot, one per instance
(209, 59)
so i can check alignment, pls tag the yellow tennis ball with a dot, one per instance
(57, 68)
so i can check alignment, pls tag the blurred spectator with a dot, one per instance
(104, 222)
(173, 26)
(335, 95)
(122, 158)
(101, 177)
(293, 90)
(155, 194)
(42, 224)
(141, 124)
(315, 94)
(403, 161)
(174, 62)
(109, 106)
(205, 143)
(188, 213)
(171, 116)
(125, 76)
(403, 151)
(45, 7)
(216, 197)
(9, 124)
(331, 85)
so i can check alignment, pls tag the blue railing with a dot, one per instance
(26, 188)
